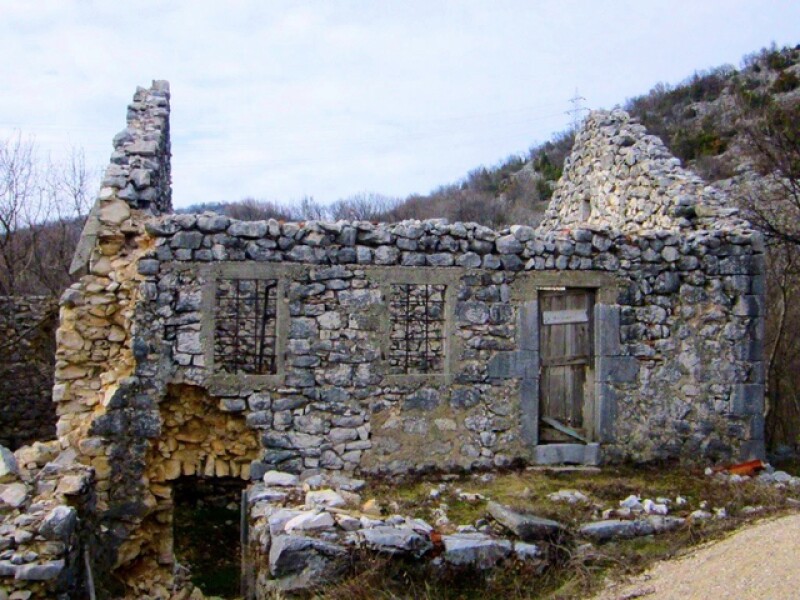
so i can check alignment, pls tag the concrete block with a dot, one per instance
(606, 327)
(529, 326)
(529, 411)
(747, 399)
(752, 450)
(569, 454)
(605, 411)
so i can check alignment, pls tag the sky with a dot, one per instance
(278, 100)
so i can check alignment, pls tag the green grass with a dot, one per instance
(569, 572)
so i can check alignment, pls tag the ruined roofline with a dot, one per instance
(620, 176)
(138, 175)
(210, 237)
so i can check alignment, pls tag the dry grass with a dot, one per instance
(568, 572)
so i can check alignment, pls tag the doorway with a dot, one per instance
(566, 385)
(207, 532)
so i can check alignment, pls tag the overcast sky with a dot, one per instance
(281, 99)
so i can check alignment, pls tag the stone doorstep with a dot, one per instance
(561, 454)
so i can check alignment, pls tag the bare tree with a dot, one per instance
(366, 206)
(43, 205)
(771, 134)
(251, 209)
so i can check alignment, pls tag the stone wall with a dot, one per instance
(27, 330)
(196, 344)
(617, 176)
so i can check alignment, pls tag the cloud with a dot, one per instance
(288, 98)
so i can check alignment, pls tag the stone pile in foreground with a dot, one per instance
(43, 494)
(304, 534)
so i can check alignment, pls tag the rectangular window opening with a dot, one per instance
(417, 336)
(245, 314)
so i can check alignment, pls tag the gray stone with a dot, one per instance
(394, 540)
(46, 571)
(59, 523)
(248, 229)
(528, 527)
(9, 471)
(508, 244)
(14, 494)
(300, 563)
(475, 550)
(280, 479)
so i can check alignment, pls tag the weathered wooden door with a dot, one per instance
(566, 407)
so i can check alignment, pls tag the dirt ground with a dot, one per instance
(757, 563)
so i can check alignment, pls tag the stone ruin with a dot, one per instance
(627, 327)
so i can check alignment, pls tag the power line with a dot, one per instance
(577, 110)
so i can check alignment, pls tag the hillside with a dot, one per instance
(696, 119)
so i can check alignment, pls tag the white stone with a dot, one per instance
(114, 212)
(700, 515)
(347, 522)
(525, 551)
(8, 465)
(14, 494)
(278, 520)
(328, 498)
(280, 479)
(310, 521)
(651, 508)
(568, 496)
(632, 502)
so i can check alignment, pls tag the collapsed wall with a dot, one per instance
(27, 349)
(197, 345)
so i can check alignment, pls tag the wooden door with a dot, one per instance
(566, 375)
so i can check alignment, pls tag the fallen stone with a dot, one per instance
(652, 508)
(278, 520)
(40, 572)
(9, 470)
(528, 527)
(525, 551)
(59, 523)
(14, 494)
(310, 521)
(394, 540)
(700, 515)
(568, 496)
(301, 563)
(324, 498)
(662, 524)
(781, 477)
(475, 550)
(632, 502)
(347, 522)
(603, 531)
(280, 479)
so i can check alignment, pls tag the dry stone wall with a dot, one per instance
(27, 412)
(620, 177)
(200, 345)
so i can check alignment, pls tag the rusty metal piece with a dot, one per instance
(746, 468)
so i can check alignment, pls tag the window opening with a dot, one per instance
(417, 328)
(244, 326)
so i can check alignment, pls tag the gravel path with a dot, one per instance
(758, 563)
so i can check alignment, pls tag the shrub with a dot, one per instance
(786, 82)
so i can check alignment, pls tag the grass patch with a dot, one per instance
(569, 572)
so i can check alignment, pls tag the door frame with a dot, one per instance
(525, 293)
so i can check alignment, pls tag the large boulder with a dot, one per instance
(300, 563)
(475, 550)
(529, 528)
